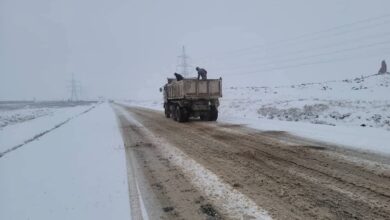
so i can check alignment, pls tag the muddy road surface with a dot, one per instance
(211, 170)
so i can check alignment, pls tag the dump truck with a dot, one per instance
(191, 97)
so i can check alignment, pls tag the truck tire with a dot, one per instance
(213, 114)
(166, 111)
(206, 116)
(186, 114)
(173, 112)
(181, 114)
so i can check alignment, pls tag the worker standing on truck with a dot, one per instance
(201, 73)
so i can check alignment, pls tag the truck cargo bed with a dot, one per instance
(194, 89)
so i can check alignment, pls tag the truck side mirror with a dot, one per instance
(160, 89)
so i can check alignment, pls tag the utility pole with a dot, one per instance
(75, 88)
(183, 63)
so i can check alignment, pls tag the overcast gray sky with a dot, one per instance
(126, 49)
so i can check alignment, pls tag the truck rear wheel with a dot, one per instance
(166, 111)
(173, 112)
(181, 114)
(213, 114)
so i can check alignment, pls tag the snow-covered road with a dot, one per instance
(144, 148)
(256, 174)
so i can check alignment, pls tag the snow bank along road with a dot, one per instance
(201, 170)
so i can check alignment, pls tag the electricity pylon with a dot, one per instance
(183, 63)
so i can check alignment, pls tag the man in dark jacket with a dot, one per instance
(383, 68)
(201, 73)
(178, 77)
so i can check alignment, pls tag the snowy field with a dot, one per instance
(354, 113)
(363, 101)
(23, 122)
(21, 115)
(75, 171)
(17, 112)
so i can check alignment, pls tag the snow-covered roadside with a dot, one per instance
(77, 171)
(16, 134)
(367, 139)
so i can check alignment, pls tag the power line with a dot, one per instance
(265, 58)
(329, 53)
(342, 42)
(294, 66)
(271, 46)
(279, 42)
(334, 28)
